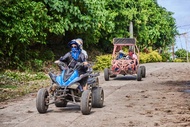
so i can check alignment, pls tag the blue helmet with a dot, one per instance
(73, 42)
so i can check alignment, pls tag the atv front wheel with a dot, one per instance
(97, 97)
(86, 102)
(106, 74)
(42, 100)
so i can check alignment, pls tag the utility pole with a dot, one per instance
(131, 33)
(185, 35)
(131, 29)
(173, 51)
(186, 42)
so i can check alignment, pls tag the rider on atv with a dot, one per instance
(73, 57)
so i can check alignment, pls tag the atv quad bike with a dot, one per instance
(125, 65)
(66, 87)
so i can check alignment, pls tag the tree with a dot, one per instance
(181, 53)
(27, 25)
(23, 24)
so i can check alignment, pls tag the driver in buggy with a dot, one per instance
(73, 57)
(132, 56)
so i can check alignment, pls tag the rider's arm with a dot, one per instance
(65, 57)
(134, 57)
(84, 61)
(85, 53)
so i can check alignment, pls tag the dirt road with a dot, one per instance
(161, 99)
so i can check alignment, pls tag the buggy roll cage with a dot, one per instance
(120, 42)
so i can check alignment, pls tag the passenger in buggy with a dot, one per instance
(73, 57)
(120, 55)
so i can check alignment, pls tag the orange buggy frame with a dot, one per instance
(124, 66)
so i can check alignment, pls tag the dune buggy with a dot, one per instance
(125, 65)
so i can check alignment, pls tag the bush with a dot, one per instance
(14, 83)
(155, 57)
(181, 53)
(166, 57)
(178, 60)
(150, 57)
(144, 57)
(102, 62)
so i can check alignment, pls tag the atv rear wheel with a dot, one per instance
(86, 102)
(143, 69)
(139, 74)
(97, 97)
(106, 74)
(42, 100)
(61, 103)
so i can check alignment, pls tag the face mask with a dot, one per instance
(75, 53)
(74, 50)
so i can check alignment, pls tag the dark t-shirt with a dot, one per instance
(67, 58)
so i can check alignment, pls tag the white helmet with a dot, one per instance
(79, 41)
(121, 51)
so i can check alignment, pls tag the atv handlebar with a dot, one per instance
(61, 64)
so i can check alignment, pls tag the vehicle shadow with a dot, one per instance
(75, 108)
(126, 77)
(70, 107)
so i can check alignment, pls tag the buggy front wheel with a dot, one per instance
(106, 74)
(139, 74)
(143, 69)
(42, 100)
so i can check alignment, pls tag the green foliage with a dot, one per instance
(102, 62)
(166, 56)
(14, 83)
(23, 21)
(37, 63)
(26, 25)
(23, 24)
(8, 86)
(24, 76)
(155, 57)
(181, 53)
(153, 25)
(144, 58)
(150, 57)
(178, 60)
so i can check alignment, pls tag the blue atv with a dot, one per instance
(67, 87)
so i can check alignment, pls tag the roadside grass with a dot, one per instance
(14, 84)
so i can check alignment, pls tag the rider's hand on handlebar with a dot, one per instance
(85, 63)
(57, 61)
